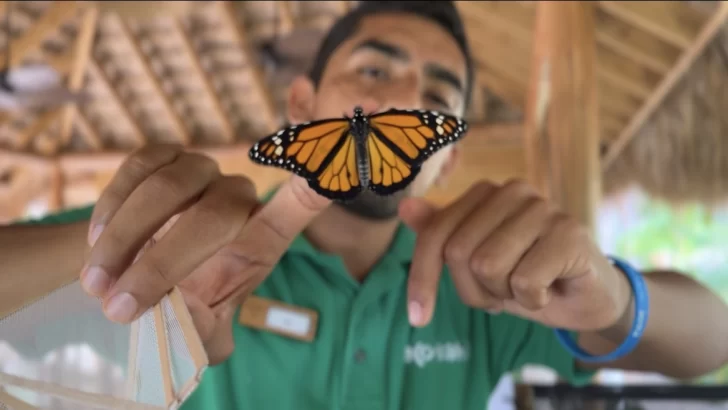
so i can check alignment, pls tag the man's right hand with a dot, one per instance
(170, 218)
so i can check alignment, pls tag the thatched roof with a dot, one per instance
(681, 153)
(215, 74)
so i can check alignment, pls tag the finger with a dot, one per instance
(145, 211)
(416, 212)
(207, 226)
(203, 318)
(533, 277)
(495, 258)
(132, 172)
(428, 259)
(496, 208)
(472, 292)
(220, 344)
(271, 230)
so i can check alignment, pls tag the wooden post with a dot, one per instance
(561, 128)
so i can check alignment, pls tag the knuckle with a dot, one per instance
(201, 162)
(239, 185)
(482, 186)
(455, 252)
(218, 214)
(150, 156)
(567, 226)
(523, 285)
(519, 186)
(538, 206)
(167, 183)
(485, 265)
(157, 271)
(238, 259)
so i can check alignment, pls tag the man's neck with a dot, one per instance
(361, 243)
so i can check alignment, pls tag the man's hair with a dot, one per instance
(443, 13)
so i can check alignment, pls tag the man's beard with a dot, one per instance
(371, 206)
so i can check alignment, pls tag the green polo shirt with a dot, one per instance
(365, 355)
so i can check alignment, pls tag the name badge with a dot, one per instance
(280, 318)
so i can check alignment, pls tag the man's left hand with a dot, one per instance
(510, 250)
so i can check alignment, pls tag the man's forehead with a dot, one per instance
(414, 35)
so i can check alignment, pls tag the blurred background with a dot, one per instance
(614, 109)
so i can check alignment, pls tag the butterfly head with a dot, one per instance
(358, 111)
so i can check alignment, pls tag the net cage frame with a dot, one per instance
(173, 301)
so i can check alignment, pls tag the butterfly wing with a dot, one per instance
(389, 172)
(323, 152)
(401, 140)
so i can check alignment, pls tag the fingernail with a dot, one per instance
(94, 233)
(415, 313)
(95, 281)
(493, 312)
(122, 307)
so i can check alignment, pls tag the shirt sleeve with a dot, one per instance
(516, 342)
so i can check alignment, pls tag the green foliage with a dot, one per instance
(691, 240)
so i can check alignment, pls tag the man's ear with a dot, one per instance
(301, 95)
(449, 165)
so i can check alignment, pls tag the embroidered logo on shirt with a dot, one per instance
(421, 354)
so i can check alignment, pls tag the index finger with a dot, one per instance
(275, 224)
(428, 258)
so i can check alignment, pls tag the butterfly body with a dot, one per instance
(341, 157)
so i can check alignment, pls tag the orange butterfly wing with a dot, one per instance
(401, 140)
(323, 152)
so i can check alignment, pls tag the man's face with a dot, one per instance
(394, 61)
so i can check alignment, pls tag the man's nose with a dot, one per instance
(368, 105)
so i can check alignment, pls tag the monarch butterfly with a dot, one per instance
(340, 157)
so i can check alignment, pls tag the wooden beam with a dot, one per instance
(41, 123)
(58, 13)
(503, 48)
(674, 22)
(562, 129)
(88, 132)
(180, 130)
(707, 34)
(228, 130)
(100, 74)
(268, 111)
(286, 22)
(635, 44)
(81, 56)
(625, 74)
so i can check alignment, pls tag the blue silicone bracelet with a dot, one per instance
(641, 314)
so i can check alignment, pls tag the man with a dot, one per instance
(418, 307)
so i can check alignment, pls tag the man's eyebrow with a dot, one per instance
(443, 74)
(390, 50)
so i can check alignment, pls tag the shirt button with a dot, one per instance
(360, 356)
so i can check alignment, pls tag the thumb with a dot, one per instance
(417, 213)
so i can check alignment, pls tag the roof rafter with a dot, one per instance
(269, 110)
(58, 13)
(180, 130)
(706, 35)
(81, 56)
(227, 126)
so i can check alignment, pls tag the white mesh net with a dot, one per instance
(61, 353)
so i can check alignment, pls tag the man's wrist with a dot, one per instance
(620, 329)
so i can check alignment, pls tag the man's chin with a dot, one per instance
(369, 205)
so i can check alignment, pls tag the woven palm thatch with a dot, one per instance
(681, 154)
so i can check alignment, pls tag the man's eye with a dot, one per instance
(437, 100)
(373, 72)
